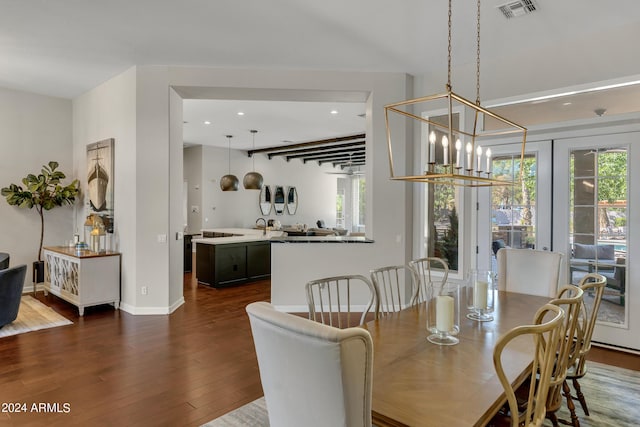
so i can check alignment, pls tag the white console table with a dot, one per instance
(83, 278)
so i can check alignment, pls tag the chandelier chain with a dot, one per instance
(478, 57)
(449, 51)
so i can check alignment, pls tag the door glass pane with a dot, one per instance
(443, 224)
(598, 232)
(513, 207)
(440, 219)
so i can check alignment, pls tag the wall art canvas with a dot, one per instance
(99, 197)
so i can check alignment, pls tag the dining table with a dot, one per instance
(418, 383)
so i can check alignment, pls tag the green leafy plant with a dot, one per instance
(44, 192)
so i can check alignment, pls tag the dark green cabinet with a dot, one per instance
(258, 260)
(232, 263)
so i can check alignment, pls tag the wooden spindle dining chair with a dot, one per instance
(424, 268)
(570, 299)
(393, 283)
(339, 300)
(547, 332)
(593, 285)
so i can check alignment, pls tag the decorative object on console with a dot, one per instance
(44, 192)
(452, 169)
(278, 201)
(253, 180)
(229, 182)
(292, 200)
(265, 202)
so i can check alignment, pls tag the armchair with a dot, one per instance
(11, 285)
(312, 374)
(599, 259)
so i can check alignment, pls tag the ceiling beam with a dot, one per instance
(317, 149)
(327, 152)
(307, 144)
(331, 158)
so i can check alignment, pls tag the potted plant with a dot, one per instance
(44, 192)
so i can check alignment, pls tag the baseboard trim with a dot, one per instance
(144, 311)
(617, 348)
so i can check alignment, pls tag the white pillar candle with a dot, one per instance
(469, 150)
(488, 154)
(458, 148)
(445, 149)
(479, 153)
(480, 290)
(432, 148)
(444, 313)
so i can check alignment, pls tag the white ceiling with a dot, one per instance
(66, 47)
(277, 122)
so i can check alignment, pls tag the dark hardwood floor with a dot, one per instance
(115, 369)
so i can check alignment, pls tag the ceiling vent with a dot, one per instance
(516, 8)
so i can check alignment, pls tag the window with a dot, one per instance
(350, 203)
(442, 203)
(513, 207)
(442, 223)
(598, 223)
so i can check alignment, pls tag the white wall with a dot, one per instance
(34, 130)
(109, 111)
(316, 190)
(138, 109)
(192, 172)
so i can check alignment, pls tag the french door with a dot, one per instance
(594, 225)
(518, 215)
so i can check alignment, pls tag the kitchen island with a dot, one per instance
(233, 256)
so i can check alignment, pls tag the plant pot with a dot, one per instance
(38, 271)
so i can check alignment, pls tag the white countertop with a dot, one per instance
(243, 235)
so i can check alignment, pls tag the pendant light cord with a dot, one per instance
(253, 156)
(229, 151)
(478, 57)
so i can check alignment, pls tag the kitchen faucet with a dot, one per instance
(264, 223)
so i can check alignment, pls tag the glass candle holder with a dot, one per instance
(443, 314)
(480, 295)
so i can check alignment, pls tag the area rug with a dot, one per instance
(611, 395)
(252, 414)
(32, 316)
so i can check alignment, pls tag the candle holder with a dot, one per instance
(480, 295)
(443, 314)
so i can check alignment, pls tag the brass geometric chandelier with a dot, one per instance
(453, 156)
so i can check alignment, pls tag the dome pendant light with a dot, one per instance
(229, 182)
(253, 180)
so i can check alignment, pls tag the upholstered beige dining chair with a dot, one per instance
(593, 286)
(393, 283)
(528, 271)
(342, 301)
(547, 332)
(312, 374)
(424, 267)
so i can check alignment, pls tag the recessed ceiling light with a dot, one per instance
(566, 103)
(240, 113)
(334, 111)
(207, 122)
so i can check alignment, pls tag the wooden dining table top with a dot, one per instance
(417, 383)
